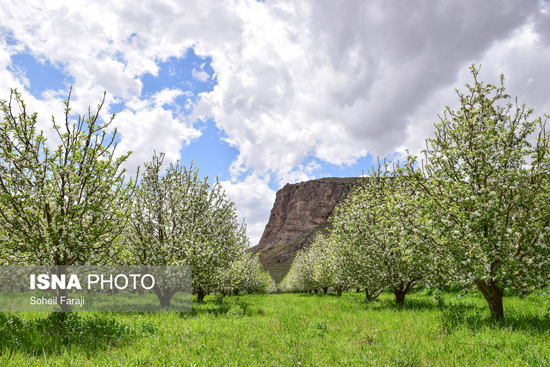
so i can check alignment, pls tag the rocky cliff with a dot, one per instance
(299, 211)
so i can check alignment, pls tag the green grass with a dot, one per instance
(290, 330)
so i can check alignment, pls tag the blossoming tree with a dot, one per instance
(59, 205)
(245, 274)
(376, 225)
(300, 276)
(485, 179)
(329, 267)
(178, 218)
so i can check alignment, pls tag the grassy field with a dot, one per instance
(289, 330)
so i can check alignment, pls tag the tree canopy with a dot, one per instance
(376, 227)
(178, 218)
(64, 205)
(485, 180)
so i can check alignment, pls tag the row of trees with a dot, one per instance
(371, 244)
(320, 267)
(73, 205)
(475, 211)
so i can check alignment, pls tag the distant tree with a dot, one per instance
(245, 274)
(59, 205)
(329, 269)
(485, 178)
(300, 276)
(320, 266)
(179, 219)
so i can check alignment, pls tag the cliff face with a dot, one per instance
(299, 210)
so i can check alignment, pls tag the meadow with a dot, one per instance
(451, 329)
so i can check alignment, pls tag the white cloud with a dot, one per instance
(253, 200)
(50, 103)
(145, 126)
(296, 81)
(522, 58)
(317, 79)
(200, 75)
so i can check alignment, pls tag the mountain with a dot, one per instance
(299, 211)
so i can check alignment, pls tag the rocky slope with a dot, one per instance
(299, 211)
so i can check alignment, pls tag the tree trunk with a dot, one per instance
(399, 296)
(165, 300)
(339, 291)
(493, 295)
(369, 296)
(164, 295)
(61, 295)
(200, 295)
(62, 299)
(325, 290)
(401, 291)
(316, 290)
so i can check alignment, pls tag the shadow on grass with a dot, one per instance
(60, 331)
(474, 317)
(410, 304)
(382, 303)
(454, 317)
(319, 295)
(232, 306)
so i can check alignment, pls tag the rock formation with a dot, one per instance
(299, 210)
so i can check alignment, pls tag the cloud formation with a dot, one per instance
(253, 200)
(337, 82)
(299, 84)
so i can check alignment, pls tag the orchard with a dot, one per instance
(473, 212)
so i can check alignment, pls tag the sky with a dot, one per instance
(264, 93)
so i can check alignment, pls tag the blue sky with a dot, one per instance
(209, 151)
(260, 94)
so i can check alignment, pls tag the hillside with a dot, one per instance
(299, 211)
